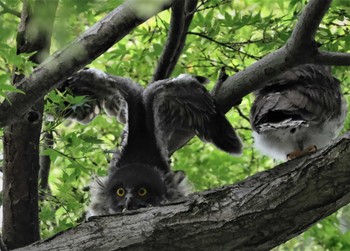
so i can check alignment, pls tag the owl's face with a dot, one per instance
(135, 186)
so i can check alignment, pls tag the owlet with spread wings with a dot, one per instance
(157, 120)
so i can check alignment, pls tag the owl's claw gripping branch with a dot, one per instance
(300, 153)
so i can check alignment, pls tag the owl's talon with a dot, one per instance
(297, 153)
(293, 155)
(310, 149)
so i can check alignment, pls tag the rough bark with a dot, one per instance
(48, 75)
(2, 244)
(258, 213)
(21, 141)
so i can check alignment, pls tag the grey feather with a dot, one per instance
(302, 106)
(102, 91)
(183, 106)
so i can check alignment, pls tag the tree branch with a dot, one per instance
(332, 58)
(258, 213)
(65, 62)
(9, 10)
(181, 18)
(300, 48)
(305, 30)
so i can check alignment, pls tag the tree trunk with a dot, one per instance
(259, 213)
(21, 140)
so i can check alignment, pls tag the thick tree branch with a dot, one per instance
(258, 213)
(65, 62)
(305, 30)
(181, 18)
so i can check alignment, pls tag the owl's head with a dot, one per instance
(134, 186)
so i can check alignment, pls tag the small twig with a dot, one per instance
(59, 202)
(241, 113)
(243, 128)
(6, 9)
(74, 159)
(211, 6)
(227, 45)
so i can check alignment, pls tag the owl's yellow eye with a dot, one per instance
(142, 191)
(120, 192)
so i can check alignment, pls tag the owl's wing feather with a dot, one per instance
(119, 97)
(113, 94)
(182, 106)
(306, 93)
(177, 185)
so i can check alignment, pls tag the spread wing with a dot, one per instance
(306, 94)
(119, 97)
(182, 107)
(113, 94)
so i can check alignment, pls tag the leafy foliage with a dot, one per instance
(230, 34)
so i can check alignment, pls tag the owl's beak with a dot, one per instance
(128, 201)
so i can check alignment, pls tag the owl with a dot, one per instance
(157, 120)
(298, 112)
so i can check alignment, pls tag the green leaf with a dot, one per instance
(9, 88)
